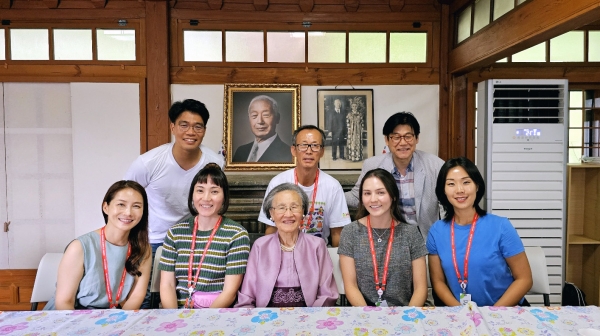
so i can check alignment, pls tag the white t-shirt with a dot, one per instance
(330, 211)
(167, 186)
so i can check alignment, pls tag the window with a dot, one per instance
(29, 44)
(285, 47)
(202, 46)
(584, 124)
(408, 47)
(244, 46)
(567, 47)
(73, 44)
(367, 47)
(116, 44)
(327, 47)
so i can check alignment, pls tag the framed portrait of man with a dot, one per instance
(346, 116)
(258, 123)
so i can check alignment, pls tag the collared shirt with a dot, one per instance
(262, 147)
(406, 187)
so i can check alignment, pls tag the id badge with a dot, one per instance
(465, 299)
(383, 303)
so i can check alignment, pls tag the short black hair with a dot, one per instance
(308, 127)
(474, 174)
(401, 118)
(190, 105)
(213, 172)
(390, 186)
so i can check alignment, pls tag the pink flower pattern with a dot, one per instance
(476, 317)
(171, 326)
(7, 329)
(331, 323)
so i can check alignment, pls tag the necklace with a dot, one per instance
(379, 240)
(287, 249)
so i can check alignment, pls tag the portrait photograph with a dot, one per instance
(258, 123)
(346, 116)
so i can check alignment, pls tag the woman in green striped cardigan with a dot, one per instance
(219, 248)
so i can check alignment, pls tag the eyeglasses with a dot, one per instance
(304, 147)
(283, 209)
(198, 128)
(396, 138)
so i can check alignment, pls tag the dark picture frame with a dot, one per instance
(249, 116)
(348, 129)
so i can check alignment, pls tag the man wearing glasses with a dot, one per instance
(415, 171)
(167, 171)
(328, 212)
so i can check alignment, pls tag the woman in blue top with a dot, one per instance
(495, 270)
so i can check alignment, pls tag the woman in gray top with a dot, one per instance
(108, 267)
(379, 237)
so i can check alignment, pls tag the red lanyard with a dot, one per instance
(191, 259)
(463, 281)
(112, 305)
(306, 225)
(381, 288)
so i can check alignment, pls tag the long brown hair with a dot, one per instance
(138, 236)
(390, 186)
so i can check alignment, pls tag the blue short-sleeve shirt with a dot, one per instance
(494, 240)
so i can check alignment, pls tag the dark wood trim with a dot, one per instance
(458, 5)
(38, 15)
(529, 24)
(72, 72)
(305, 76)
(575, 74)
(299, 17)
(444, 96)
(457, 127)
(143, 117)
(157, 83)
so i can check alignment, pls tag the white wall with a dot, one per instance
(421, 100)
(65, 145)
(106, 140)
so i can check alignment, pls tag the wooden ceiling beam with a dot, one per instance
(69, 14)
(528, 25)
(299, 17)
(457, 5)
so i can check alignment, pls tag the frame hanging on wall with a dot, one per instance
(258, 123)
(346, 116)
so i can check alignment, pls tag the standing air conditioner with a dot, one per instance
(521, 152)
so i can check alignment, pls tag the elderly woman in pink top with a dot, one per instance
(288, 268)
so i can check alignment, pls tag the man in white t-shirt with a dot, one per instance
(166, 172)
(328, 212)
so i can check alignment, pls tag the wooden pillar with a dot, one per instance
(157, 73)
(458, 117)
(444, 113)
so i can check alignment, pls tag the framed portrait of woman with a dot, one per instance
(346, 116)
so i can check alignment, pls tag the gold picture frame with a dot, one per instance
(247, 118)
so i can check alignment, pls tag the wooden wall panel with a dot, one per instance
(15, 289)
(157, 83)
(304, 76)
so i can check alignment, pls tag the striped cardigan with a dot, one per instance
(227, 254)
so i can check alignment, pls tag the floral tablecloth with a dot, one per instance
(465, 320)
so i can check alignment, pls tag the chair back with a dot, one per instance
(539, 272)
(155, 280)
(337, 271)
(45, 279)
(427, 266)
